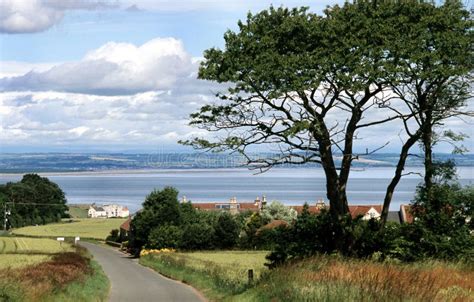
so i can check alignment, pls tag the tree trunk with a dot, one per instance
(337, 202)
(398, 175)
(428, 150)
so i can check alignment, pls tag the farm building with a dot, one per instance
(108, 211)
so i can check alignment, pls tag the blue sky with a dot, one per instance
(99, 75)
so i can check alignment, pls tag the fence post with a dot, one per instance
(250, 275)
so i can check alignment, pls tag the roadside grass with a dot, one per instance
(94, 288)
(93, 228)
(66, 276)
(322, 278)
(217, 274)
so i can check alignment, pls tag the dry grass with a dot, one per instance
(325, 277)
(40, 280)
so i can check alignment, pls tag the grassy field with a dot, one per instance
(85, 228)
(321, 278)
(20, 252)
(78, 211)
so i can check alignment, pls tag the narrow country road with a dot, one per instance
(133, 282)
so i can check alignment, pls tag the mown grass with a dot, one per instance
(86, 228)
(67, 276)
(325, 278)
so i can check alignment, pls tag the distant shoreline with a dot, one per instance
(186, 170)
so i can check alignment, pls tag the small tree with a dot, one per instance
(198, 236)
(277, 210)
(443, 217)
(226, 231)
(159, 208)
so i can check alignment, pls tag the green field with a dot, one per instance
(78, 211)
(85, 228)
(20, 252)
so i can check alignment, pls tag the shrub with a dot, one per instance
(226, 231)
(198, 236)
(167, 236)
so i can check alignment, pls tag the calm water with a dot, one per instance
(291, 186)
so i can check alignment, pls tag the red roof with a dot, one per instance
(273, 224)
(126, 225)
(311, 209)
(362, 210)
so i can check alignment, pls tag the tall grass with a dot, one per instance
(324, 278)
(327, 278)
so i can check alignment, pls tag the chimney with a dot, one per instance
(257, 201)
(320, 204)
(264, 200)
(233, 205)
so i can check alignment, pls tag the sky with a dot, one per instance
(119, 75)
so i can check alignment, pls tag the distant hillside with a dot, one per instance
(75, 162)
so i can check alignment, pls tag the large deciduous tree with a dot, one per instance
(300, 84)
(307, 85)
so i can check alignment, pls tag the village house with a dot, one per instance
(108, 211)
(232, 205)
(366, 211)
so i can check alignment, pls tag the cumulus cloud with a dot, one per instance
(20, 16)
(114, 69)
(148, 119)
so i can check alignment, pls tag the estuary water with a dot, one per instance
(290, 186)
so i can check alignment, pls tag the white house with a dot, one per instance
(96, 212)
(108, 211)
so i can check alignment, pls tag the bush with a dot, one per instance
(198, 236)
(226, 231)
(167, 236)
(114, 236)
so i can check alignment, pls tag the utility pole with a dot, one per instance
(5, 216)
(6, 213)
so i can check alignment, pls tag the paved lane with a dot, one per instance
(133, 282)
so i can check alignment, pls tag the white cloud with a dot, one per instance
(114, 69)
(48, 118)
(15, 69)
(29, 16)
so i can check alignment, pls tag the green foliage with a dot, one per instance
(114, 236)
(277, 210)
(198, 236)
(33, 200)
(248, 237)
(165, 223)
(166, 236)
(226, 231)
